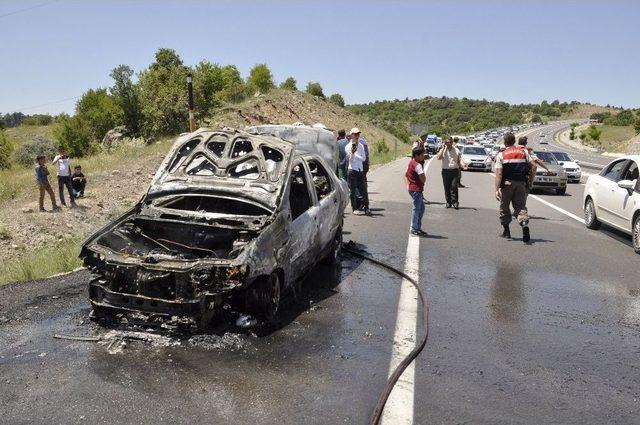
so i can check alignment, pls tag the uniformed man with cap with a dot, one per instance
(513, 166)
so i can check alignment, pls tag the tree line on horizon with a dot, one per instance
(450, 115)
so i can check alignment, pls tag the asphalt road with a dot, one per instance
(542, 333)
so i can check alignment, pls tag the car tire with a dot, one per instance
(561, 191)
(590, 218)
(635, 234)
(265, 297)
(333, 257)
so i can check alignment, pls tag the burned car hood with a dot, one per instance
(227, 162)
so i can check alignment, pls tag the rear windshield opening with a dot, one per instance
(212, 204)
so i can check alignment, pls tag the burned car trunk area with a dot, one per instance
(226, 223)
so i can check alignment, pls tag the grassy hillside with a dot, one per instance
(614, 138)
(22, 133)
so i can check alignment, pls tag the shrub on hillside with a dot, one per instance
(315, 89)
(6, 148)
(75, 134)
(260, 79)
(100, 111)
(380, 147)
(337, 99)
(636, 125)
(289, 84)
(27, 152)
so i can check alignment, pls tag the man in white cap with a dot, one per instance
(357, 160)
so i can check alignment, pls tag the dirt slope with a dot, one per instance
(288, 107)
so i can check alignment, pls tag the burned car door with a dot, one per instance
(303, 221)
(329, 206)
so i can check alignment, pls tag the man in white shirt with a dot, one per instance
(63, 168)
(356, 157)
(451, 166)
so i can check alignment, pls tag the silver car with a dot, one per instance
(476, 158)
(555, 178)
(571, 166)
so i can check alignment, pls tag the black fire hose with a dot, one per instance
(393, 379)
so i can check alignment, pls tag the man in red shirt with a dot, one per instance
(415, 178)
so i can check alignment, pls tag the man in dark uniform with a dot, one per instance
(513, 166)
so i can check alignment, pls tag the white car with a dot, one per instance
(571, 166)
(613, 197)
(475, 157)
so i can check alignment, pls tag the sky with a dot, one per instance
(515, 51)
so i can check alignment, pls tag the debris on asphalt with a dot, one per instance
(228, 341)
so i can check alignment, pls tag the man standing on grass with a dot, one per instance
(42, 177)
(356, 157)
(513, 167)
(61, 161)
(451, 166)
(415, 177)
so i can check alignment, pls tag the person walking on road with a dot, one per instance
(61, 161)
(42, 177)
(342, 156)
(513, 167)
(415, 177)
(356, 157)
(451, 165)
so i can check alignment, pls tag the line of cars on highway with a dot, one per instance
(562, 168)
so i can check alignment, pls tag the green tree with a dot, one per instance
(163, 95)
(127, 96)
(594, 133)
(76, 135)
(636, 125)
(337, 99)
(289, 84)
(100, 111)
(624, 118)
(234, 87)
(260, 79)
(536, 118)
(208, 82)
(6, 149)
(315, 89)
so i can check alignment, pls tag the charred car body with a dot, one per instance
(229, 214)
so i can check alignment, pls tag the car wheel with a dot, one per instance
(265, 297)
(590, 218)
(561, 191)
(336, 249)
(636, 235)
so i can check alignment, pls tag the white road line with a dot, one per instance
(549, 204)
(399, 407)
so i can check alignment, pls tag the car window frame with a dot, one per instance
(310, 190)
(605, 170)
(329, 179)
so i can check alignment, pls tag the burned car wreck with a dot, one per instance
(230, 216)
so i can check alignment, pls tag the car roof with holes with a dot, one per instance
(226, 161)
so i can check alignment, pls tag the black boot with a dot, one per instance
(506, 233)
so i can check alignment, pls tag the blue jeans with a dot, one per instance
(65, 181)
(418, 210)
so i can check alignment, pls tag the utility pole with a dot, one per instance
(192, 120)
